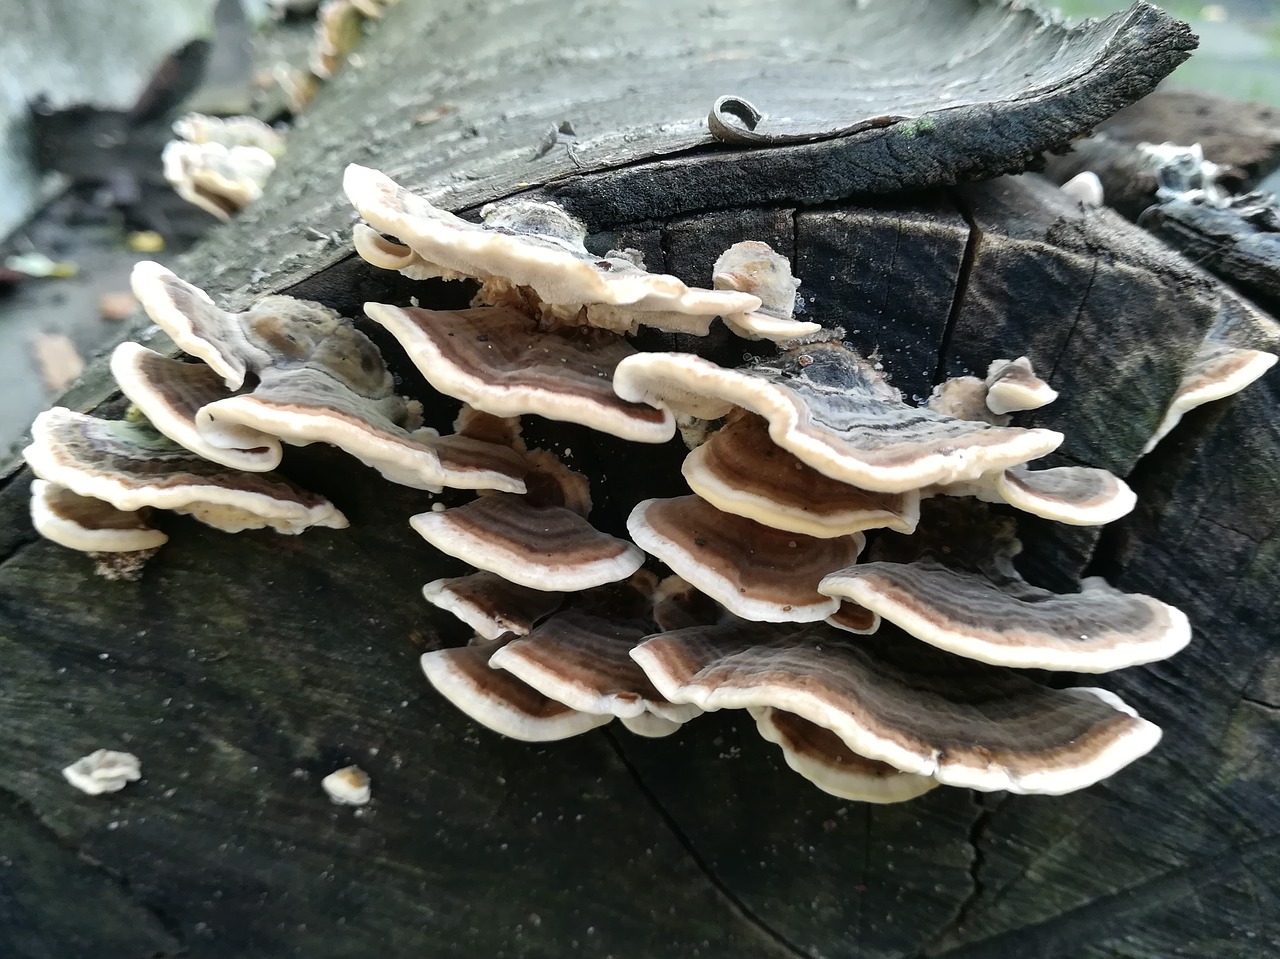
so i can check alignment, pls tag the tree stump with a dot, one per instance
(242, 669)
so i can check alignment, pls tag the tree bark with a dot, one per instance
(242, 669)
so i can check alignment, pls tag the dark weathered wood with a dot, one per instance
(243, 668)
(887, 272)
(1240, 243)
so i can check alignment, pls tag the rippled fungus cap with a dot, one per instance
(676, 603)
(920, 710)
(1219, 370)
(498, 360)
(1012, 623)
(741, 470)
(1075, 495)
(831, 409)
(753, 267)
(386, 254)
(230, 132)
(220, 180)
(583, 661)
(89, 525)
(318, 379)
(1012, 385)
(529, 244)
(490, 605)
(130, 466)
(498, 699)
(822, 757)
(852, 618)
(169, 393)
(542, 547)
(754, 571)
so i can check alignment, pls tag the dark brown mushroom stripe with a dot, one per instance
(793, 461)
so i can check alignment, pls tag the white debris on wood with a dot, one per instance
(103, 771)
(349, 786)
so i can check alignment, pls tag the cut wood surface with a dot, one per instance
(242, 669)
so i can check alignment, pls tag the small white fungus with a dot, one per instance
(103, 771)
(348, 786)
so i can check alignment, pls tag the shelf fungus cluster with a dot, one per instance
(829, 571)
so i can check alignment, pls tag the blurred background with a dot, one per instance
(89, 92)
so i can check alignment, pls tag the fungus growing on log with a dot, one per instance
(490, 605)
(542, 547)
(1012, 385)
(131, 466)
(497, 360)
(836, 414)
(90, 525)
(220, 180)
(922, 712)
(752, 570)
(1012, 623)
(823, 758)
(500, 700)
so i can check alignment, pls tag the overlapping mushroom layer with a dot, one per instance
(800, 458)
(879, 680)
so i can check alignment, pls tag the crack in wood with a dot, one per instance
(967, 260)
(788, 947)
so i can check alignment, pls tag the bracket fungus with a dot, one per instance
(1009, 622)
(879, 680)
(837, 414)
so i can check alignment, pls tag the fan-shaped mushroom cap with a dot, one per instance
(834, 412)
(230, 132)
(169, 393)
(1013, 385)
(498, 699)
(535, 245)
(584, 661)
(741, 470)
(754, 571)
(498, 360)
(1077, 495)
(1013, 623)
(753, 267)
(542, 547)
(131, 466)
(920, 710)
(220, 180)
(551, 483)
(490, 605)
(319, 380)
(385, 254)
(822, 757)
(89, 525)
(1219, 370)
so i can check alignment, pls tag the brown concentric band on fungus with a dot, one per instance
(490, 605)
(852, 618)
(530, 245)
(754, 571)
(89, 525)
(497, 360)
(1219, 370)
(169, 393)
(543, 547)
(835, 413)
(1013, 623)
(131, 466)
(584, 661)
(1012, 385)
(498, 699)
(915, 708)
(741, 470)
(822, 757)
